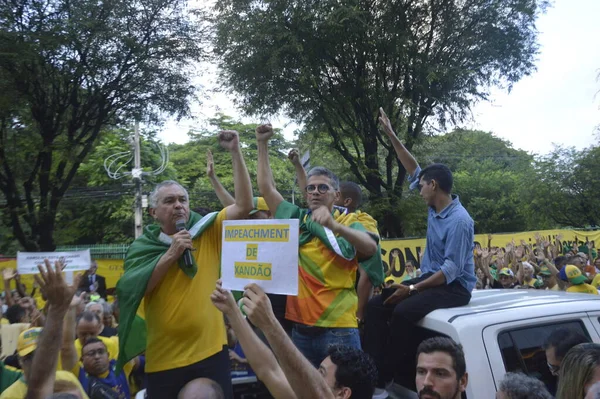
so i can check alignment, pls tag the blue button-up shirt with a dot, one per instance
(450, 242)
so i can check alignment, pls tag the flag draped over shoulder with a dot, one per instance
(374, 265)
(140, 261)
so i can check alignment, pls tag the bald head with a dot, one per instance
(201, 388)
(350, 196)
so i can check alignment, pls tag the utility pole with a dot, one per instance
(136, 173)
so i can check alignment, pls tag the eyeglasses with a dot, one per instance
(322, 188)
(553, 369)
(100, 352)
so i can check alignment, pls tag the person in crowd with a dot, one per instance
(97, 371)
(520, 386)
(557, 345)
(346, 372)
(527, 276)
(411, 271)
(548, 279)
(38, 352)
(389, 281)
(331, 245)
(92, 282)
(201, 388)
(448, 270)
(577, 282)
(579, 370)
(107, 317)
(185, 333)
(441, 370)
(77, 332)
(98, 308)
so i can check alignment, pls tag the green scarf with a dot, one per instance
(140, 261)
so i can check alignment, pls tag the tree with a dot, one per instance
(69, 69)
(331, 64)
(569, 186)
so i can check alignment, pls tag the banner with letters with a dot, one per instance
(263, 252)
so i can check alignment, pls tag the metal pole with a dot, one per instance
(137, 177)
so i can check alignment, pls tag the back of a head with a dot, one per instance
(201, 388)
(88, 316)
(441, 174)
(65, 389)
(15, 314)
(562, 340)
(446, 345)
(349, 189)
(520, 386)
(577, 370)
(355, 370)
(64, 395)
(560, 261)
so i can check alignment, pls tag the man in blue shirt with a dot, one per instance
(447, 267)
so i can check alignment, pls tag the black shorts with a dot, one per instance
(167, 384)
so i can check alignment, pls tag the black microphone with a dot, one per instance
(187, 255)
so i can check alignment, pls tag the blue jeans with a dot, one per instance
(314, 346)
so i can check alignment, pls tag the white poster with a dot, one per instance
(27, 262)
(264, 252)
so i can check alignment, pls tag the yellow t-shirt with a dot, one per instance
(18, 390)
(184, 327)
(596, 281)
(583, 289)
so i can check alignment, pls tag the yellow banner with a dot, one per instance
(412, 249)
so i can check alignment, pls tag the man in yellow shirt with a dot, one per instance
(26, 347)
(576, 280)
(185, 334)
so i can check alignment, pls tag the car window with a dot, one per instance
(522, 349)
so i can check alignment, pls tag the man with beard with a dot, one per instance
(441, 369)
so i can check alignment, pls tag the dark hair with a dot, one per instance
(560, 261)
(88, 316)
(562, 340)
(355, 370)
(92, 340)
(14, 314)
(441, 174)
(446, 345)
(321, 171)
(349, 189)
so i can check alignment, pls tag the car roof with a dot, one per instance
(497, 300)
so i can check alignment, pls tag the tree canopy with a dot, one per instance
(332, 64)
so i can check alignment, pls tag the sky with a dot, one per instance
(557, 104)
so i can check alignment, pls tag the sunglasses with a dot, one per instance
(321, 188)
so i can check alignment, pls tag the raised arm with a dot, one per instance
(258, 355)
(405, 157)
(265, 175)
(229, 140)
(294, 157)
(305, 380)
(223, 195)
(8, 274)
(41, 381)
(68, 352)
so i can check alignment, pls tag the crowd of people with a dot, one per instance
(173, 330)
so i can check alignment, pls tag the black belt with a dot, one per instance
(311, 331)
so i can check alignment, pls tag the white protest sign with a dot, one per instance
(27, 262)
(264, 252)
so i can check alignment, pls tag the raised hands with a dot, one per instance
(322, 215)
(55, 289)
(229, 140)
(294, 157)
(264, 132)
(223, 300)
(210, 165)
(385, 123)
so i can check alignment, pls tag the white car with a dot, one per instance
(503, 331)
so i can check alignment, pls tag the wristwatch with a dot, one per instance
(412, 290)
